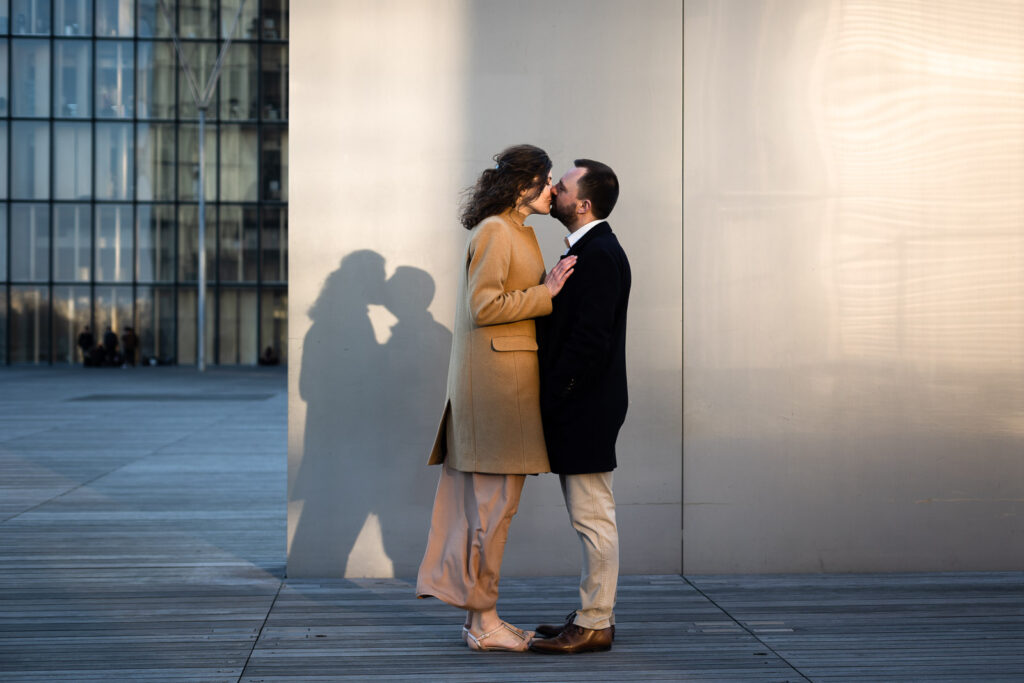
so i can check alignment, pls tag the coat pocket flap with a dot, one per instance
(521, 343)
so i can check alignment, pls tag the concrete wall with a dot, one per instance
(854, 285)
(396, 107)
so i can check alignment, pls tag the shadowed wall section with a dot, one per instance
(854, 286)
(396, 107)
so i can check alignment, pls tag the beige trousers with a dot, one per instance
(591, 506)
(468, 530)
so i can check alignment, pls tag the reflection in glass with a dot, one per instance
(72, 236)
(239, 243)
(201, 58)
(3, 324)
(275, 82)
(274, 321)
(188, 162)
(114, 160)
(238, 327)
(71, 315)
(114, 242)
(115, 89)
(156, 243)
(154, 308)
(30, 17)
(5, 20)
(114, 17)
(72, 79)
(3, 241)
(188, 241)
(275, 19)
(238, 83)
(30, 242)
(275, 245)
(30, 160)
(274, 170)
(187, 326)
(248, 23)
(29, 324)
(30, 77)
(198, 18)
(72, 17)
(3, 76)
(72, 160)
(113, 311)
(151, 20)
(155, 162)
(3, 160)
(238, 163)
(156, 73)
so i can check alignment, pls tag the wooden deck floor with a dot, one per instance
(142, 525)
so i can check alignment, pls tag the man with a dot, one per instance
(582, 353)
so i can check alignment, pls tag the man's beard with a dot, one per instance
(565, 218)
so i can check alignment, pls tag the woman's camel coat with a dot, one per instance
(491, 421)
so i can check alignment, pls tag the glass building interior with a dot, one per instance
(99, 178)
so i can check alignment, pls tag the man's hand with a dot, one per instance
(557, 276)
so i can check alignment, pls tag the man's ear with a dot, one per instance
(585, 206)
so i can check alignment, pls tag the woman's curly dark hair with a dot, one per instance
(517, 168)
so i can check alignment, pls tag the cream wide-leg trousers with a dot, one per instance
(591, 506)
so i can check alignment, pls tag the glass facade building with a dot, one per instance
(99, 178)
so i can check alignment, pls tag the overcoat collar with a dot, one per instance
(602, 228)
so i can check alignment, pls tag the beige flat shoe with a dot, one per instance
(478, 643)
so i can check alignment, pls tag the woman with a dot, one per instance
(490, 435)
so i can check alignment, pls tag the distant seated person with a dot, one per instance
(269, 357)
(96, 356)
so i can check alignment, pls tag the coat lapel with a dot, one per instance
(602, 228)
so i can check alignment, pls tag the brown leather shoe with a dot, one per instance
(550, 630)
(574, 639)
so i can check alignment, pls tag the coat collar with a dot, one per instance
(602, 228)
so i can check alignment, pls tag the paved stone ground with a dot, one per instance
(142, 537)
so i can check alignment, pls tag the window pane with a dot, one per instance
(72, 233)
(3, 242)
(156, 80)
(238, 243)
(72, 79)
(198, 18)
(152, 21)
(30, 242)
(156, 162)
(115, 90)
(114, 243)
(187, 319)
(248, 23)
(29, 322)
(275, 19)
(3, 160)
(70, 318)
(156, 243)
(188, 162)
(30, 160)
(113, 312)
(114, 17)
(31, 16)
(201, 58)
(188, 240)
(5, 20)
(274, 168)
(154, 308)
(274, 322)
(275, 82)
(238, 163)
(239, 85)
(114, 161)
(73, 17)
(3, 324)
(72, 160)
(3, 75)
(275, 245)
(238, 327)
(31, 78)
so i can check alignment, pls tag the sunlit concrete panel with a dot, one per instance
(854, 286)
(396, 108)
